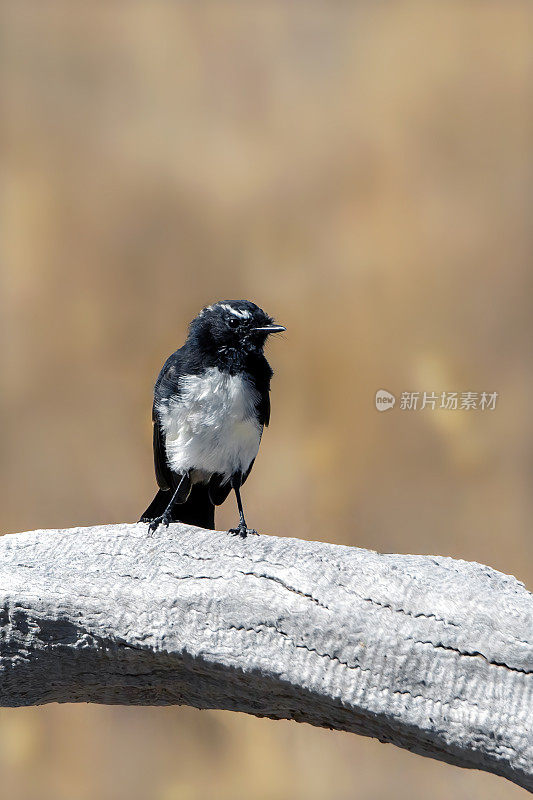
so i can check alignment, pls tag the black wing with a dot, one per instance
(263, 409)
(163, 474)
(166, 387)
(262, 374)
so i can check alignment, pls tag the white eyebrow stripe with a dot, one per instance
(243, 314)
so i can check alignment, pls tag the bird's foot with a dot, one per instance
(243, 531)
(164, 519)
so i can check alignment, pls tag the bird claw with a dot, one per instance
(243, 531)
(164, 519)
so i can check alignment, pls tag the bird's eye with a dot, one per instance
(233, 322)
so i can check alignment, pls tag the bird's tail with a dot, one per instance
(197, 509)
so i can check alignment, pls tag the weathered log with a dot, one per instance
(430, 653)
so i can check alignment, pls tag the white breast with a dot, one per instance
(212, 425)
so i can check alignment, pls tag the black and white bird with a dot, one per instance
(211, 403)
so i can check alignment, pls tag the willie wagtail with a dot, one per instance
(211, 402)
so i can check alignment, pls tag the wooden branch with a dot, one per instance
(432, 654)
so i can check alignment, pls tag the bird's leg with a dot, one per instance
(242, 529)
(180, 495)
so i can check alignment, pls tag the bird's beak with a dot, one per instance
(271, 329)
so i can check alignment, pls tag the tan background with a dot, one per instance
(364, 172)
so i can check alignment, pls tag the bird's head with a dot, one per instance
(237, 326)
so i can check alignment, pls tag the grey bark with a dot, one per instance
(432, 654)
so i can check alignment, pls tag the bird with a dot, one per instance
(211, 404)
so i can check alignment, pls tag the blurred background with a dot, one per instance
(363, 171)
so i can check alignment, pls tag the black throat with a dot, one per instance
(203, 352)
